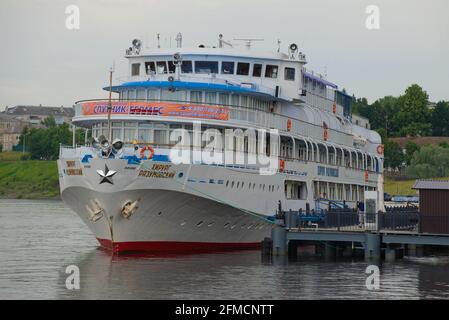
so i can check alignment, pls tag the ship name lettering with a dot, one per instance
(156, 174)
(74, 172)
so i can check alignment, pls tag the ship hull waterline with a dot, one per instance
(165, 221)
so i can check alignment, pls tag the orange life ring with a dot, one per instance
(149, 148)
(289, 125)
(281, 165)
(366, 175)
(380, 149)
(334, 108)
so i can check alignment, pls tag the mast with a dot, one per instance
(110, 104)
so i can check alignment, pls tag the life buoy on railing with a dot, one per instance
(142, 152)
(334, 108)
(281, 165)
(289, 125)
(380, 149)
(366, 176)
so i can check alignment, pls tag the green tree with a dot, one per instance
(440, 119)
(429, 161)
(410, 149)
(49, 122)
(414, 115)
(43, 143)
(394, 157)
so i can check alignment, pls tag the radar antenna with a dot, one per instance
(248, 41)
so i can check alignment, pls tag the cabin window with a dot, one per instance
(206, 66)
(161, 67)
(171, 67)
(196, 96)
(289, 74)
(135, 69)
(227, 67)
(257, 70)
(235, 100)
(224, 98)
(271, 71)
(244, 101)
(173, 95)
(211, 97)
(150, 67)
(186, 67)
(243, 68)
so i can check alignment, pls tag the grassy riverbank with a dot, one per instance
(29, 179)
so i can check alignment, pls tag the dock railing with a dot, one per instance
(352, 220)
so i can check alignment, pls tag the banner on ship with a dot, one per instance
(156, 109)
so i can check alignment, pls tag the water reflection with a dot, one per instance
(39, 239)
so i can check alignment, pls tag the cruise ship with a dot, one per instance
(202, 148)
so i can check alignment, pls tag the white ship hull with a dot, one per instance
(169, 216)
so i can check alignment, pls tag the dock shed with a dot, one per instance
(433, 205)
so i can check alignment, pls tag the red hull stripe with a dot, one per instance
(175, 246)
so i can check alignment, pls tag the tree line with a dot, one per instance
(409, 115)
(43, 143)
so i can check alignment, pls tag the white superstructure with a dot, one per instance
(131, 202)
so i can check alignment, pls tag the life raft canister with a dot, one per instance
(281, 165)
(325, 134)
(142, 152)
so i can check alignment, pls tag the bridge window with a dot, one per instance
(271, 71)
(161, 67)
(243, 68)
(186, 67)
(227, 67)
(206, 66)
(289, 74)
(257, 70)
(171, 67)
(135, 69)
(150, 67)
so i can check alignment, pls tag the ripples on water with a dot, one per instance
(38, 239)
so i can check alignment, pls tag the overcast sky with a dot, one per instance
(42, 62)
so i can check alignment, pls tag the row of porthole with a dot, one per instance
(257, 226)
(251, 185)
(210, 224)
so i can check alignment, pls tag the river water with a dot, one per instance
(39, 239)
